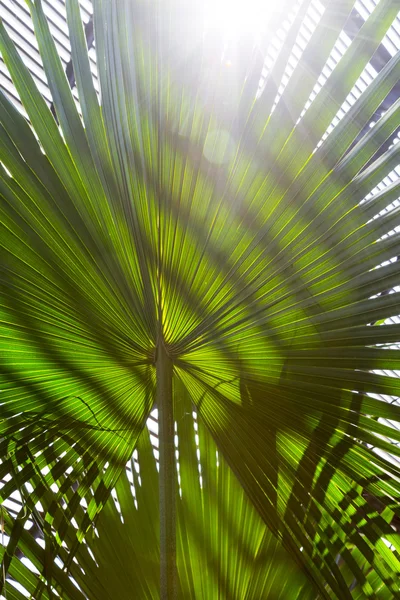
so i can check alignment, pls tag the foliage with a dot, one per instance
(187, 206)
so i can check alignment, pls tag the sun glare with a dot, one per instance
(237, 17)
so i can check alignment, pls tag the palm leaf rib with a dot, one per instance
(199, 300)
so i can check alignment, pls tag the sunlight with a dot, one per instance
(238, 17)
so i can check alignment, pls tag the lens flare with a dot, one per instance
(237, 17)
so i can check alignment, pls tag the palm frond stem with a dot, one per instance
(167, 484)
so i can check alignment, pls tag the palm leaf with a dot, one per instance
(229, 563)
(186, 240)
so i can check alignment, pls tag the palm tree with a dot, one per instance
(182, 245)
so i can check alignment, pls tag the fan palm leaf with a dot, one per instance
(183, 240)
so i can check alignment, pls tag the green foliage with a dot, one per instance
(183, 204)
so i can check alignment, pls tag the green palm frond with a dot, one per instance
(183, 240)
(215, 557)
